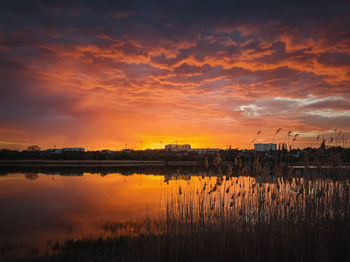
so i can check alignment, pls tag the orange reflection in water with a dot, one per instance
(41, 208)
(80, 197)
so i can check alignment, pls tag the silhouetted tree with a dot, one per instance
(31, 176)
(33, 148)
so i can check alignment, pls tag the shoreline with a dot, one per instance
(97, 163)
(130, 163)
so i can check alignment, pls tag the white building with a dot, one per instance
(265, 147)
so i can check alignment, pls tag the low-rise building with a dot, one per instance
(60, 150)
(204, 150)
(265, 147)
(76, 149)
(176, 147)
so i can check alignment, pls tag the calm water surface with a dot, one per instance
(37, 209)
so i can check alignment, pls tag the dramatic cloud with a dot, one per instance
(102, 74)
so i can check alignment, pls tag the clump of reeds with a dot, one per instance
(265, 217)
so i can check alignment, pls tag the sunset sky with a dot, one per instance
(110, 74)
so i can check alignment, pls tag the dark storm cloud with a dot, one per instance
(65, 14)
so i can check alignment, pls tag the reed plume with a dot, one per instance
(277, 131)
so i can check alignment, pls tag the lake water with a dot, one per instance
(41, 208)
(38, 210)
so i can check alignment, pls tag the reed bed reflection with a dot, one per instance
(298, 215)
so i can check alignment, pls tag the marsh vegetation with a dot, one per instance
(290, 217)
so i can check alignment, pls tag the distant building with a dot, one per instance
(265, 147)
(173, 147)
(60, 150)
(76, 149)
(108, 151)
(204, 150)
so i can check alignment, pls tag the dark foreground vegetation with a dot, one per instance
(241, 241)
(267, 215)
